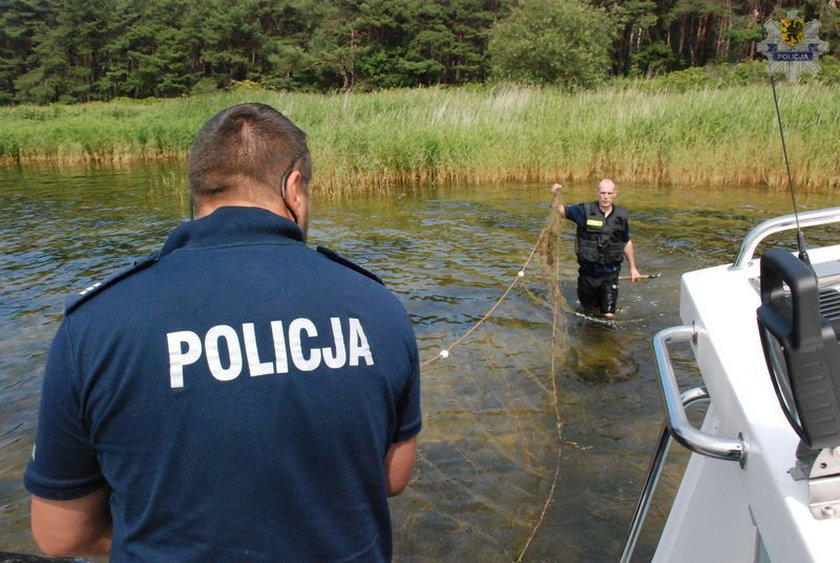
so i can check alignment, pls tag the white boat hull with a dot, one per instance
(722, 511)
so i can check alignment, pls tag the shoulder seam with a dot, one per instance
(75, 300)
(338, 259)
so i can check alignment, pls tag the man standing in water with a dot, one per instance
(603, 240)
(239, 396)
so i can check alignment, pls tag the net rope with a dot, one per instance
(546, 245)
(539, 280)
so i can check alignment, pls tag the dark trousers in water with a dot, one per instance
(598, 292)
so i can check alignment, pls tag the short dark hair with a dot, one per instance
(251, 141)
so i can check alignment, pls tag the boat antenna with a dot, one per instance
(800, 236)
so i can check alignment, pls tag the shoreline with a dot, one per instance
(410, 137)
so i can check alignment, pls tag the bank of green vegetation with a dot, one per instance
(672, 134)
(413, 92)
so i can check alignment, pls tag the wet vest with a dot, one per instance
(599, 240)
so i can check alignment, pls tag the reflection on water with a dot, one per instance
(487, 483)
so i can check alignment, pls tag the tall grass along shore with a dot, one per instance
(708, 136)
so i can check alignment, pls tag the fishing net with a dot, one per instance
(490, 453)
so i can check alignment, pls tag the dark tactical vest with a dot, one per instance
(599, 240)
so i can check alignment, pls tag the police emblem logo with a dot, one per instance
(792, 30)
(792, 46)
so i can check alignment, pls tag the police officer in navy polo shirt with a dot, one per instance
(236, 397)
(602, 241)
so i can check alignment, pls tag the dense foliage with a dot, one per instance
(546, 42)
(87, 50)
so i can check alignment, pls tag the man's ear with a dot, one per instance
(297, 199)
(295, 187)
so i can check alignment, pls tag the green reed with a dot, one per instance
(719, 136)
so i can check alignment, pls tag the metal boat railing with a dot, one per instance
(779, 224)
(657, 463)
(678, 427)
(676, 418)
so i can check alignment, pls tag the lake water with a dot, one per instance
(539, 425)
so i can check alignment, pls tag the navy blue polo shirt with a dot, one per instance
(238, 395)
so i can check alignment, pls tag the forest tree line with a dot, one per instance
(87, 50)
